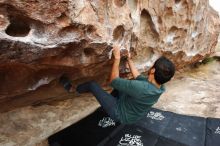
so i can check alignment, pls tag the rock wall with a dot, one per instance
(40, 40)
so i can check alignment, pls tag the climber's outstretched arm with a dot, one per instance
(115, 66)
(132, 67)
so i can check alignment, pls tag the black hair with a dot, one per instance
(164, 70)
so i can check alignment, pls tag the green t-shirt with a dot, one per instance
(135, 97)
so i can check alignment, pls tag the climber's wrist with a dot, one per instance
(117, 58)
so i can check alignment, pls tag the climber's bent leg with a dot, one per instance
(106, 100)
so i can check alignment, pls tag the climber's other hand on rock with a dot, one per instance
(116, 52)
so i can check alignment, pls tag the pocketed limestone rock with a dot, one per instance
(41, 40)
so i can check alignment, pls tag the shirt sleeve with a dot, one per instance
(130, 87)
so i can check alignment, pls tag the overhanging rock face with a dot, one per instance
(40, 40)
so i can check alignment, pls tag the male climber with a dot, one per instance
(130, 99)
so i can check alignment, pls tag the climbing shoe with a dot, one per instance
(66, 82)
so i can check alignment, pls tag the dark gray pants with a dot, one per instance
(106, 100)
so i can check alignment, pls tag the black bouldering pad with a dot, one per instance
(87, 132)
(213, 132)
(155, 120)
(156, 128)
(188, 130)
(132, 135)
